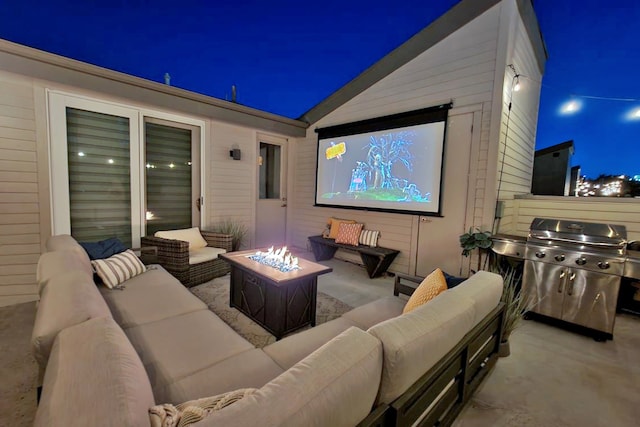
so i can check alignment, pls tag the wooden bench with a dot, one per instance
(376, 260)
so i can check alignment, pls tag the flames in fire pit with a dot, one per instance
(280, 259)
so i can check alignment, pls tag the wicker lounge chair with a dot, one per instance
(173, 255)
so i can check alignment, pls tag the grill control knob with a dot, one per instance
(559, 258)
(603, 265)
(540, 254)
(581, 261)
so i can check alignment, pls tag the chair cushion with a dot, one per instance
(432, 285)
(68, 299)
(174, 348)
(484, 288)
(292, 349)
(333, 386)
(250, 368)
(94, 378)
(151, 296)
(51, 264)
(197, 256)
(118, 268)
(414, 342)
(375, 312)
(191, 235)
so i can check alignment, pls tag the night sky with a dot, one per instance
(287, 56)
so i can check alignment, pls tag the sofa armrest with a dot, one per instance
(218, 240)
(405, 288)
(147, 254)
(173, 255)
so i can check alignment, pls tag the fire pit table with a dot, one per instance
(279, 301)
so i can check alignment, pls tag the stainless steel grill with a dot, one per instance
(572, 271)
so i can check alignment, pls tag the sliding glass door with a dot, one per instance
(120, 172)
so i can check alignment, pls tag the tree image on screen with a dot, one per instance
(383, 173)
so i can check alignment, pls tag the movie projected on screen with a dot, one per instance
(392, 163)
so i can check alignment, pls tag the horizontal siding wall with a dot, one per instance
(461, 69)
(521, 212)
(231, 187)
(519, 128)
(19, 209)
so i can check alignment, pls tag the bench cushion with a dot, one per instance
(94, 378)
(151, 296)
(484, 288)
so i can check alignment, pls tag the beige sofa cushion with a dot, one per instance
(51, 264)
(177, 347)
(191, 235)
(151, 296)
(68, 299)
(292, 349)
(415, 341)
(334, 386)
(94, 378)
(375, 312)
(251, 368)
(484, 288)
(197, 256)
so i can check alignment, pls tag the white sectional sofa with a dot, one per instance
(108, 355)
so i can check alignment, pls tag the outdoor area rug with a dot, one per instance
(216, 295)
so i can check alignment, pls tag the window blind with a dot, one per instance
(168, 177)
(99, 175)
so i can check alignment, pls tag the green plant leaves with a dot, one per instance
(474, 240)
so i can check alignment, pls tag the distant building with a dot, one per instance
(552, 170)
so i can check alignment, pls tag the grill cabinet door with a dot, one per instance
(544, 285)
(591, 299)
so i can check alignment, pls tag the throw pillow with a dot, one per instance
(431, 287)
(348, 234)
(104, 248)
(191, 235)
(118, 268)
(191, 412)
(452, 281)
(369, 238)
(335, 226)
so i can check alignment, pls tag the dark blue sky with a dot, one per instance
(286, 56)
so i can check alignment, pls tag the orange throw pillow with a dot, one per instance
(349, 234)
(431, 287)
(335, 226)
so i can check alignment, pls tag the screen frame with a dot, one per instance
(439, 113)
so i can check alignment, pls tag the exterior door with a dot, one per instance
(438, 237)
(271, 209)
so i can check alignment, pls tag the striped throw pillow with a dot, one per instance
(369, 238)
(118, 268)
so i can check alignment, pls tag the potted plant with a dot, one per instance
(473, 240)
(231, 226)
(515, 306)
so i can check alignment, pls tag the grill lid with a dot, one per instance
(578, 233)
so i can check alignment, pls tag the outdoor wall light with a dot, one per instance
(235, 154)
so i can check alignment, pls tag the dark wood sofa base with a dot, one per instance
(376, 260)
(437, 398)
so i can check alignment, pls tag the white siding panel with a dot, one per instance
(19, 209)
(591, 209)
(460, 69)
